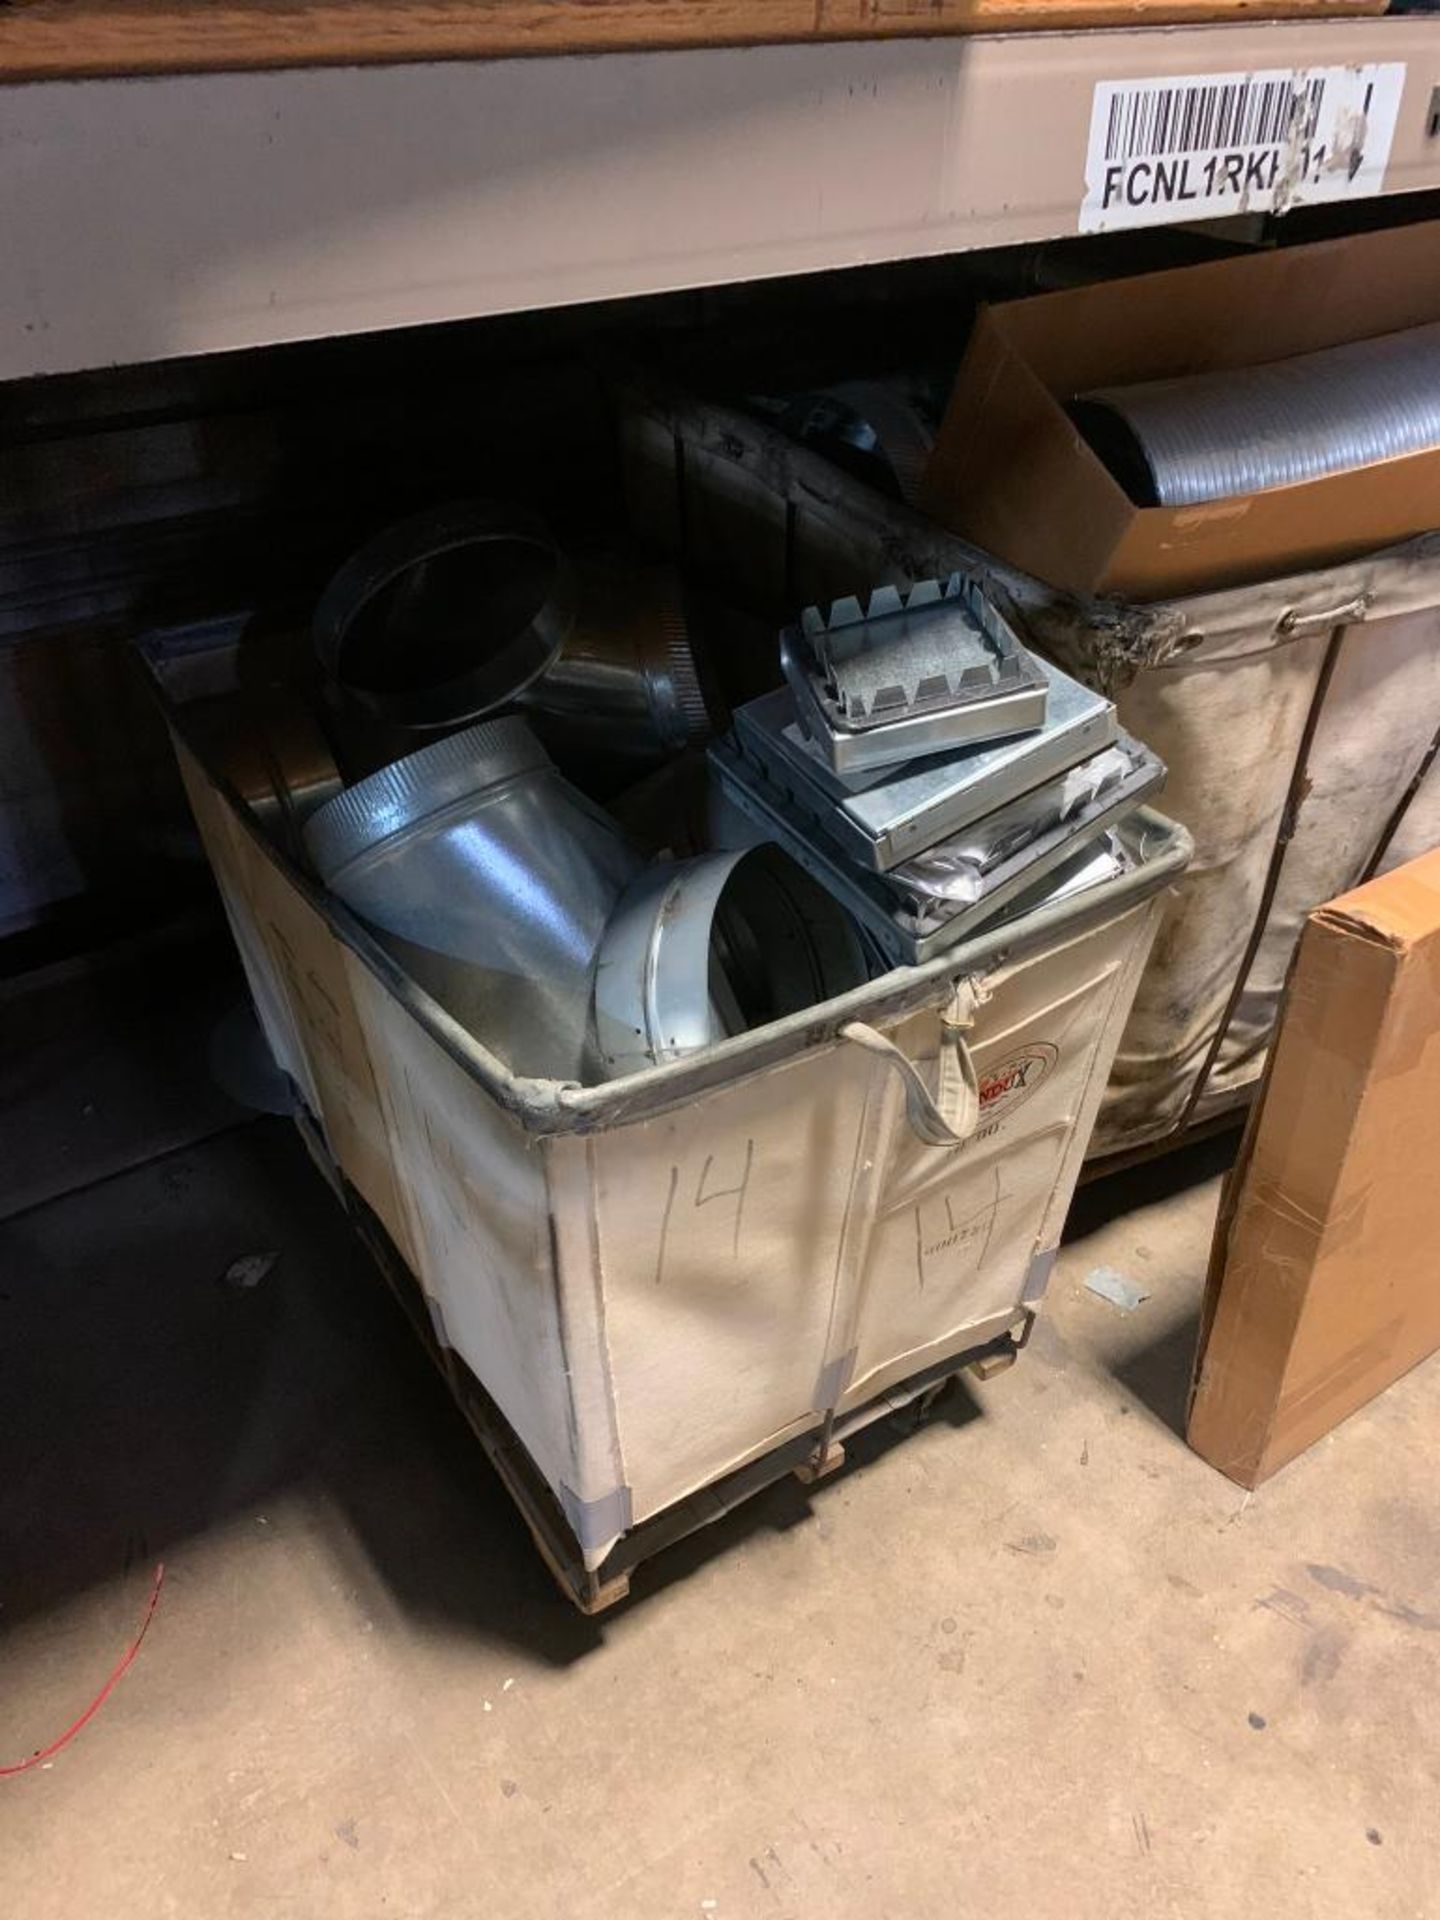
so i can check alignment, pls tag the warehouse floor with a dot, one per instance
(1033, 1658)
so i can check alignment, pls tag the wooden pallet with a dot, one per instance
(810, 1457)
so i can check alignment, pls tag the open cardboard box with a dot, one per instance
(1011, 472)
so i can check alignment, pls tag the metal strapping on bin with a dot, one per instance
(437, 1322)
(834, 1378)
(593, 1436)
(862, 1206)
(1037, 1279)
(595, 1523)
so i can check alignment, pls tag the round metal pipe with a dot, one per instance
(446, 615)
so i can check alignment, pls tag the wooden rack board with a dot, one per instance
(72, 39)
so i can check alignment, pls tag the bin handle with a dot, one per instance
(949, 1116)
(1292, 623)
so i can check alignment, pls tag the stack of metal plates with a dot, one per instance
(884, 816)
(923, 853)
(912, 673)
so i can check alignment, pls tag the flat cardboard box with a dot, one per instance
(1324, 1284)
(1012, 473)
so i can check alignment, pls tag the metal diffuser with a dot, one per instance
(902, 810)
(925, 905)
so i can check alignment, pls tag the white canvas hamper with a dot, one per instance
(665, 1277)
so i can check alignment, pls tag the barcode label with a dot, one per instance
(1194, 146)
(1240, 113)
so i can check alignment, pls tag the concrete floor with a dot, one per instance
(1032, 1658)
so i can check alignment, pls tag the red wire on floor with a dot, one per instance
(23, 1766)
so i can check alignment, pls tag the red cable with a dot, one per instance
(23, 1766)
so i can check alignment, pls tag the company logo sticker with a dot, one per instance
(1003, 1087)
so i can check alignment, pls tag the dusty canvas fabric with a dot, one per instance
(1221, 685)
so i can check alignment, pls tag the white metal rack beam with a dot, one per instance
(188, 214)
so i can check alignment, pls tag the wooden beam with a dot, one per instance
(77, 39)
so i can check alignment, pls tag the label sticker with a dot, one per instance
(1197, 146)
(1005, 1086)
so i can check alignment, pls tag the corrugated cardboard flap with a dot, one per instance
(1399, 914)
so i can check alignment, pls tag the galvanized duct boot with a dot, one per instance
(626, 679)
(473, 606)
(490, 878)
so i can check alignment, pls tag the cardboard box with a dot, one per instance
(1012, 474)
(1325, 1278)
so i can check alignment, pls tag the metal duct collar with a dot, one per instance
(698, 950)
(430, 623)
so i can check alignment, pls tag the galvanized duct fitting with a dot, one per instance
(872, 428)
(491, 880)
(955, 870)
(447, 615)
(702, 949)
(626, 676)
(1213, 436)
(936, 645)
(901, 435)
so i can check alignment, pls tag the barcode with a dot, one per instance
(1191, 146)
(1157, 121)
